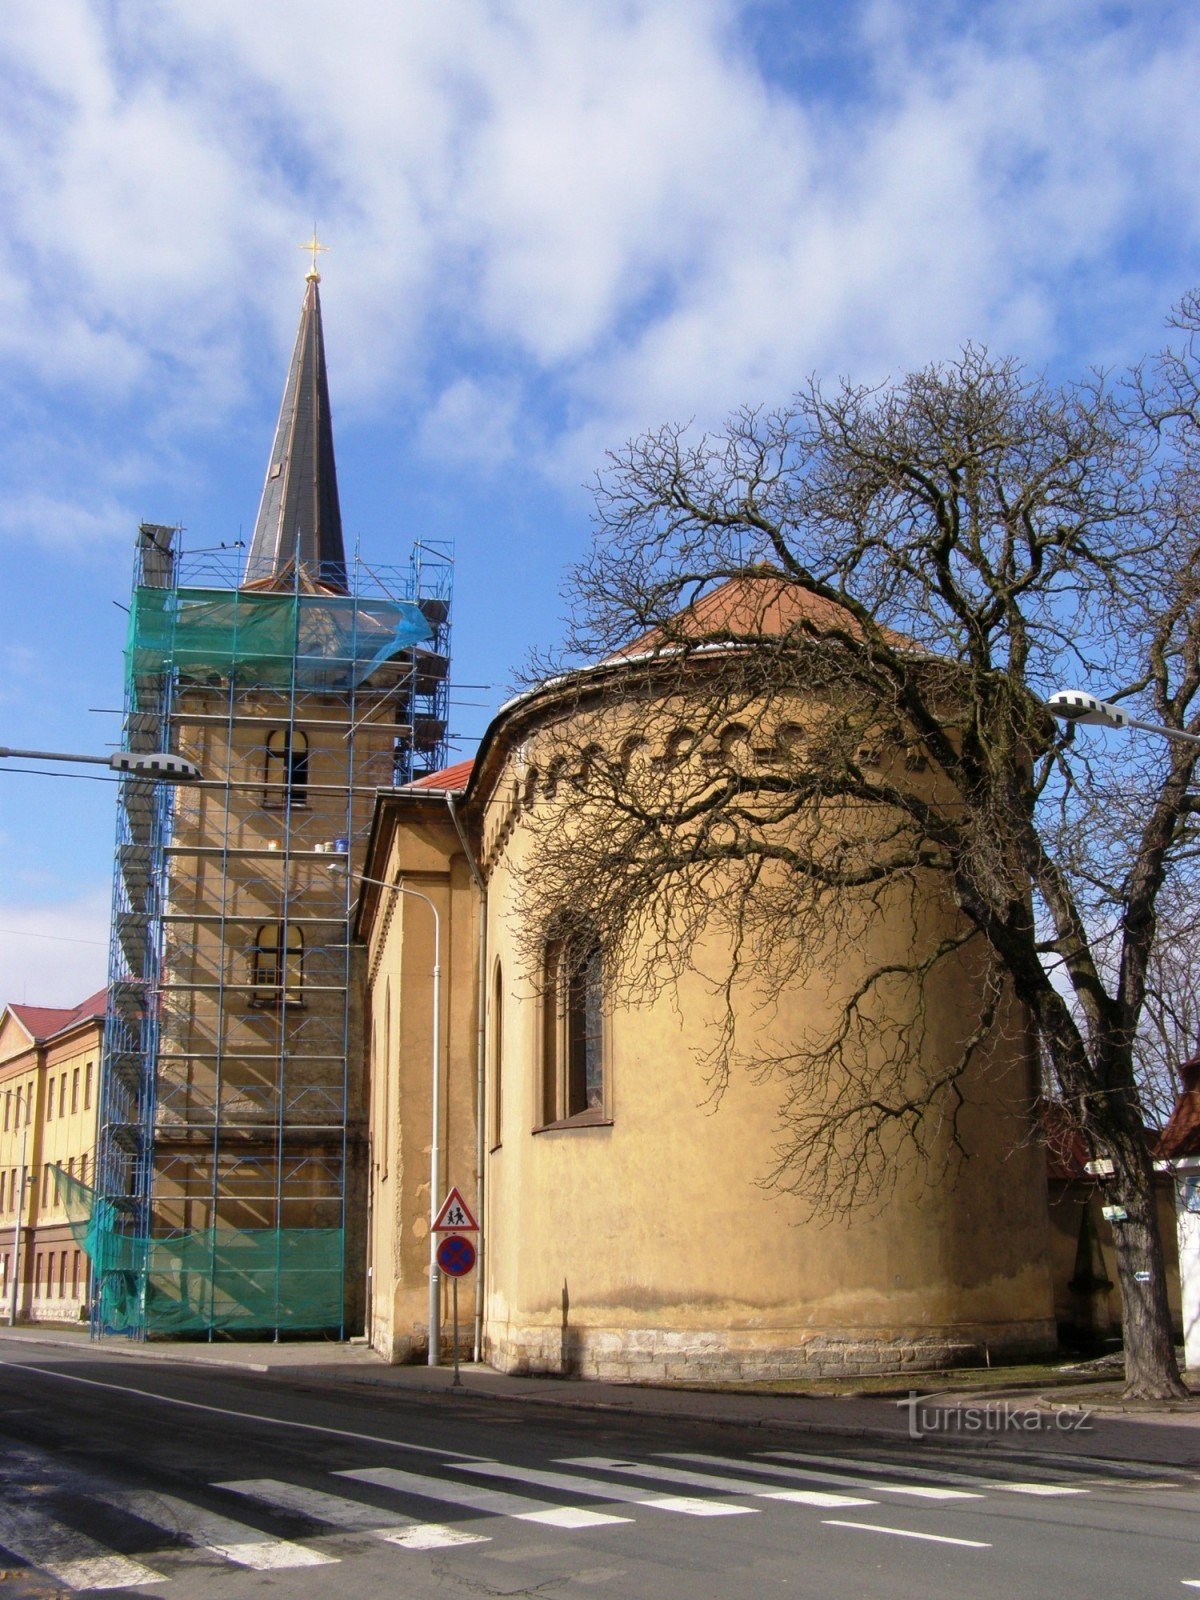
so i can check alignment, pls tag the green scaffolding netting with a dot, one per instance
(326, 641)
(205, 1279)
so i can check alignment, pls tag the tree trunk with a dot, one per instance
(1151, 1370)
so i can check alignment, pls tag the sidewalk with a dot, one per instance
(1072, 1422)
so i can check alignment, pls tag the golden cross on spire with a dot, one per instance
(316, 247)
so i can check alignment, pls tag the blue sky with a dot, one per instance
(553, 223)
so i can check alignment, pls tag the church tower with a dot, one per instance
(231, 1174)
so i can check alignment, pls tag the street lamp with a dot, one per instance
(1072, 705)
(340, 869)
(160, 764)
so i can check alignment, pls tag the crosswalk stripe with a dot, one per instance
(352, 1515)
(687, 1505)
(906, 1533)
(712, 1480)
(814, 1475)
(66, 1555)
(1047, 1489)
(478, 1498)
(235, 1541)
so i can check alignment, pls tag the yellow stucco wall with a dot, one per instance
(426, 854)
(651, 1246)
(58, 1083)
(647, 1243)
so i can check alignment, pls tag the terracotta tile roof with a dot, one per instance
(1181, 1136)
(454, 779)
(44, 1021)
(1066, 1149)
(769, 608)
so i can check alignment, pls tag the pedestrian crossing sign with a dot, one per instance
(455, 1216)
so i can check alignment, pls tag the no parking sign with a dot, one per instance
(456, 1256)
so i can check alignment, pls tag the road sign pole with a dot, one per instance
(457, 1384)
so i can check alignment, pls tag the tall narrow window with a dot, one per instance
(585, 1032)
(573, 1045)
(277, 966)
(497, 1054)
(62, 1095)
(74, 1091)
(87, 1087)
(286, 775)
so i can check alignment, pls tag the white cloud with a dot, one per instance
(616, 199)
(472, 421)
(62, 522)
(54, 954)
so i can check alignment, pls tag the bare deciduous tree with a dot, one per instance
(826, 640)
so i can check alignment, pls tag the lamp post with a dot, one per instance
(1073, 705)
(340, 868)
(160, 764)
(15, 1286)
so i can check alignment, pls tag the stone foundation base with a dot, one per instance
(635, 1355)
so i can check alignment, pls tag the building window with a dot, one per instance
(62, 1095)
(87, 1087)
(83, 1168)
(277, 966)
(75, 1091)
(49, 1099)
(497, 1054)
(286, 774)
(573, 1042)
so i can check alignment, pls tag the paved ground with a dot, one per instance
(194, 1474)
(1080, 1420)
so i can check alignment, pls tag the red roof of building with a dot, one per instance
(1181, 1136)
(452, 779)
(41, 1022)
(749, 608)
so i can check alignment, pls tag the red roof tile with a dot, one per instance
(453, 779)
(43, 1021)
(1181, 1136)
(768, 608)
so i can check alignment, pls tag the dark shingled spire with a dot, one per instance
(299, 519)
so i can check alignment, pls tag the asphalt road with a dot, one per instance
(193, 1483)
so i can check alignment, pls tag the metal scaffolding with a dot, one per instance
(232, 1104)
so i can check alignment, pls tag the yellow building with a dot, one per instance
(49, 1095)
(627, 1231)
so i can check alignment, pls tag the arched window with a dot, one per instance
(574, 1087)
(286, 772)
(277, 966)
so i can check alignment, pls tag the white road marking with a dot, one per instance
(236, 1541)
(1190, 1583)
(1046, 1489)
(352, 1515)
(686, 1505)
(930, 1472)
(711, 1480)
(225, 1411)
(906, 1533)
(477, 1498)
(815, 1475)
(67, 1555)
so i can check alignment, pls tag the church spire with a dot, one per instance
(299, 524)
